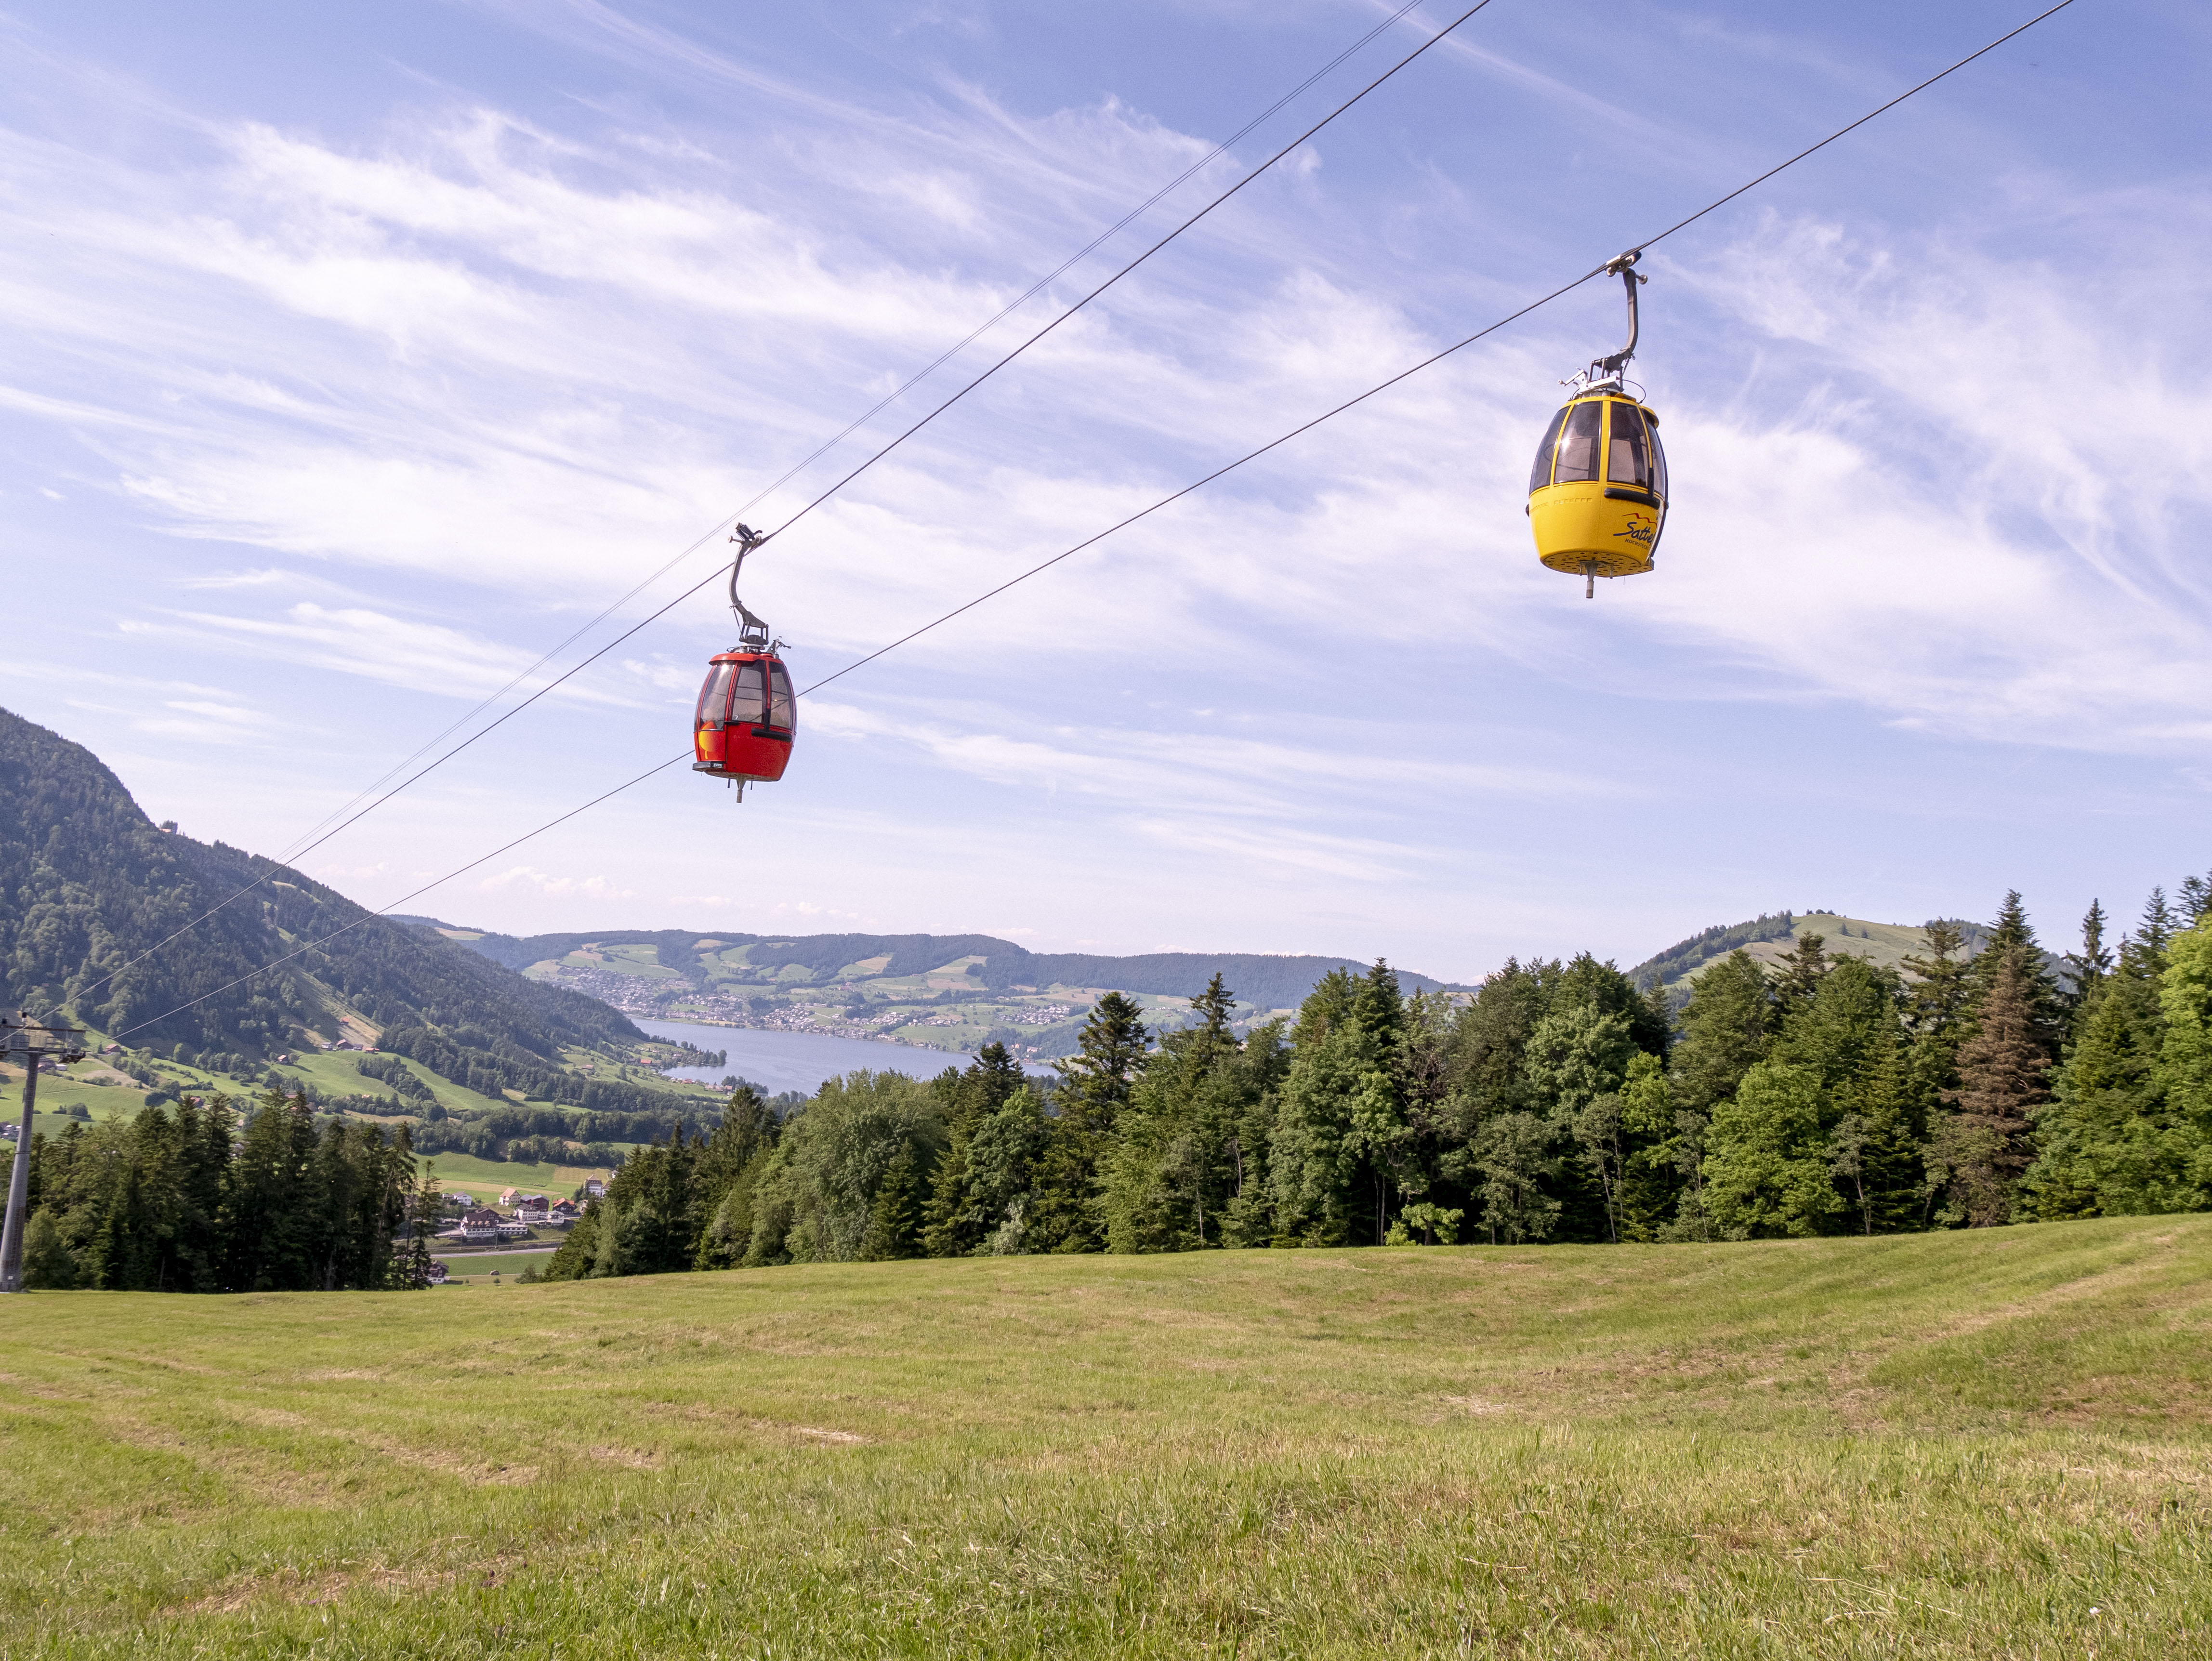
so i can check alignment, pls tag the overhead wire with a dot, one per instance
(1434, 40)
(1433, 358)
(296, 851)
(1143, 512)
(888, 398)
(372, 916)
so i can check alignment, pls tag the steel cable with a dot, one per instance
(1228, 468)
(295, 851)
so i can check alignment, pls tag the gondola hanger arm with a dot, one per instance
(1624, 267)
(752, 633)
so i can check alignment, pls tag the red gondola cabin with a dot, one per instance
(746, 719)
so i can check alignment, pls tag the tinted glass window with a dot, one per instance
(1541, 474)
(781, 712)
(1658, 463)
(1628, 451)
(749, 703)
(714, 696)
(1578, 443)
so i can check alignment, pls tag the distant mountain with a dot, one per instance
(1769, 934)
(1260, 981)
(88, 883)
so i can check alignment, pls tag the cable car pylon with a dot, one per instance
(747, 719)
(1597, 496)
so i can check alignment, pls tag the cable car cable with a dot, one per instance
(1069, 263)
(308, 841)
(888, 399)
(1257, 173)
(1217, 472)
(373, 916)
(1436, 357)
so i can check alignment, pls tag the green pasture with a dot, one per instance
(1987, 1444)
(475, 1267)
(459, 1173)
(334, 1073)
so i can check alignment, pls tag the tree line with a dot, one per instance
(1822, 1094)
(207, 1198)
(1819, 1094)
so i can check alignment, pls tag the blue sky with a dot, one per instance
(357, 355)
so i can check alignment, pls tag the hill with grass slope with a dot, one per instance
(1987, 1443)
(1765, 938)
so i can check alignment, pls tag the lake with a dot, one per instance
(797, 1060)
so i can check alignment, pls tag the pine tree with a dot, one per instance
(894, 1219)
(1940, 995)
(1727, 1027)
(2185, 1074)
(1981, 1148)
(1177, 1165)
(954, 1221)
(2098, 1138)
(2092, 963)
(48, 1263)
(1094, 1089)
(2011, 932)
(1802, 971)
(2196, 898)
(2156, 930)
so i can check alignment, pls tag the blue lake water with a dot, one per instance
(796, 1060)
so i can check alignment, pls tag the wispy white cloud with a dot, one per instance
(415, 395)
(548, 886)
(1980, 522)
(422, 657)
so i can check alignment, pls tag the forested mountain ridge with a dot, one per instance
(952, 992)
(88, 883)
(1263, 979)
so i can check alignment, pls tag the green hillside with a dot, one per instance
(260, 994)
(1984, 1444)
(1767, 937)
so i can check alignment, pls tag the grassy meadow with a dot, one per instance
(1997, 1444)
(476, 1268)
(487, 1179)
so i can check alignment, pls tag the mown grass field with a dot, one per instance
(486, 1179)
(1993, 1445)
(476, 1268)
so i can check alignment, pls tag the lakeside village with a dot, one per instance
(518, 1216)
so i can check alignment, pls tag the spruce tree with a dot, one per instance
(2185, 1074)
(1983, 1146)
(2097, 1137)
(2092, 963)
(1801, 973)
(894, 1218)
(2195, 897)
(1727, 1027)
(2156, 930)
(1094, 1088)
(2011, 932)
(954, 1221)
(1941, 993)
